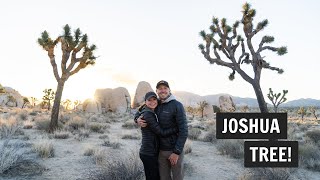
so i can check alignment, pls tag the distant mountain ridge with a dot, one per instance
(191, 99)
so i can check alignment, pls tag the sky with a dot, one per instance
(153, 40)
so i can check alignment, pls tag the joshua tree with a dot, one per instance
(66, 103)
(313, 110)
(202, 105)
(274, 98)
(25, 101)
(76, 104)
(33, 101)
(302, 111)
(71, 61)
(48, 97)
(224, 38)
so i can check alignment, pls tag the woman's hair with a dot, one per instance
(141, 107)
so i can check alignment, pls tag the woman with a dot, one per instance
(149, 150)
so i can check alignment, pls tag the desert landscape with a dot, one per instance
(93, 142)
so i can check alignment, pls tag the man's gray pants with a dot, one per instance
(165, 167)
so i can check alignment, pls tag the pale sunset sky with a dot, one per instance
(148, 40)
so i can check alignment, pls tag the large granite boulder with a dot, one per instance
(114, 100)
(226, 104)
(10, 97)
(142, 88)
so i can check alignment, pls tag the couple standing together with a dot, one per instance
(164, 132)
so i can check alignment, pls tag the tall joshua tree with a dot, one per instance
(71, 62)
(274, 98)
(225, 39)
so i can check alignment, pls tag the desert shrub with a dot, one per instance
(97, 127)
(99, 156)
(303, 127)
(44, 148)
(104, 136)
(33, 113)
(210, 136)
(23, 115)
(130, 125)
(61, 134)
(16, 159)
(43, 123)
(187, 147)
(232, 147)
(267, 174)
(76, 123)
(82, 133)
(309, 155)
(314, 135)
(9, 128)
(123, 168)
(113, 144)
(293, 130)
(64, 118)
(27, 125)
(89, 151)
(131, 136)
(194, 133)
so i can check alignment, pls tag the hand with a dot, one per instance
(141, 122)
(173, 158)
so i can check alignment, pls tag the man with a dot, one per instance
(171, 114)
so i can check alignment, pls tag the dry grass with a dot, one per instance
(23, 115)
(98, 127)
(77, 122)
(16, 159)
(131, 136)
(28, 124)
(99, 156)
(61, 134)
(232, 147)
(309, 155)
(104, 136)
(313, 135)
(114, 144)
(130, 125)
(267, 174)
(120, 168)
(9, 128)
(210, 136)
(194, 133)
(89, 151)
(42, 122)
(44, 148)
(82, 134)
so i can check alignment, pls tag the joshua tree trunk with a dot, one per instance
(56, 106)
(262, 103)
